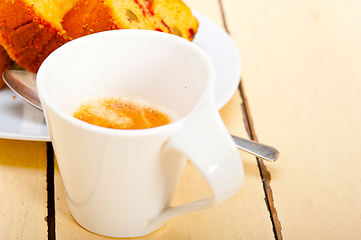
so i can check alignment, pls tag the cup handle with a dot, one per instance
(205, 141)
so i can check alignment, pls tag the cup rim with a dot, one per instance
(45, 99)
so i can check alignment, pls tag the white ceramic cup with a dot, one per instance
(121, 183)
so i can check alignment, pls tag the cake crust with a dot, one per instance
(87, 17)
(91, 16)
(5, 63)
(26, 37)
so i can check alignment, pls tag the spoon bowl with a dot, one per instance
(23, 83)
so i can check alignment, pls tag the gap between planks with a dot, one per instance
(265, 175)
(51, 192)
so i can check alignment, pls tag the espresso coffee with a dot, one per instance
(123, 113)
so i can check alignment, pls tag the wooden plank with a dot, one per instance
(302, 75)
(23, 197)
(265, 175)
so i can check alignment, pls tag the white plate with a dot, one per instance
(19, 120)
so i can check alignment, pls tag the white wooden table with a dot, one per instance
(299, 92)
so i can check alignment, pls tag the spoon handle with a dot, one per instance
(258, 149)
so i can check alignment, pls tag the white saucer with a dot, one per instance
(19, 120)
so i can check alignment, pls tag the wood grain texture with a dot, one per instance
(302, 77)
(265, 175)
(23, 195)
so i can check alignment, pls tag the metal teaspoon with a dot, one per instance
(24, 84)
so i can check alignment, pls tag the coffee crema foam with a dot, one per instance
(124, 113)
